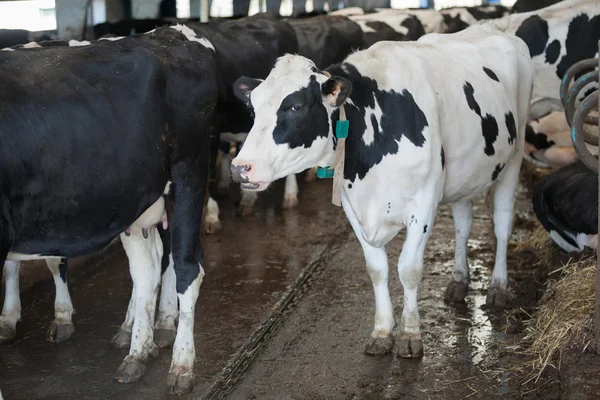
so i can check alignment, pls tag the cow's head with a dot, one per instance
(292, 128)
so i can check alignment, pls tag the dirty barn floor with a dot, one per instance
(284, 312)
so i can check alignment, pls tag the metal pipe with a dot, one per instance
(204, 11)
(578, 67)
(577, 132)
(571, 99)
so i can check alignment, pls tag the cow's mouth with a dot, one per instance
(255, 186)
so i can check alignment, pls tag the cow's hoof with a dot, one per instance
(164, 337)
(497, 297)
(122, 338)
(456, 292)
(7, 333)
(59, 331)
(410, 345)
(212, 227)
(180, 382)
(379, 345)
(290, 201)
(132, 369)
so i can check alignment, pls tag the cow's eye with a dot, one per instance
(296, 107)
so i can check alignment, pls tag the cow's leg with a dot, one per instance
(62, 327)
(381, 340)
(123, 336)
(144, 265)
(247, 202)
(11, 310)
(164, 329)
(462, 212)
(186, 248)
(504, 200)
(212, 224)
(290, 196)
(225, 178)
(410, 270)
(311, 175)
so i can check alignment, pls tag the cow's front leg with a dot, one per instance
(144, 264)
(290, 195)
(381, 340)
(410, 270)
(62, 327)
(462, 212)
(11, 310)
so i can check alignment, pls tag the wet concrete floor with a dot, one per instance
(286, 295)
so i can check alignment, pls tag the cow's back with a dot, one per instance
(474, 106)
(89, 134)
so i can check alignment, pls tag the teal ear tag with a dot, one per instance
(341, 129)
(324, 173)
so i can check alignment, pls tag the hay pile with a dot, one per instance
(564, 318)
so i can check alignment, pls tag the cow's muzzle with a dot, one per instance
(237, 173)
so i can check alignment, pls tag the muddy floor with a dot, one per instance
(284, 312)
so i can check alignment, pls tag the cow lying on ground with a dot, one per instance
(402, 154)
(94, 137)
(548, 142)
(566, 203)
(557, 36)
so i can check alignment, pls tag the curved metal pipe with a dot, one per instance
(572, 94)
(590, 63)
(577, 131)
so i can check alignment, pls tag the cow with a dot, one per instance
(388, 25)
(459, 18)
(93, 139)
(557, 37)
(548, 142)
(522, 6)
(427, 125)
(566, 203)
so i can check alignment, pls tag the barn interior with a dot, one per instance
(286, 303)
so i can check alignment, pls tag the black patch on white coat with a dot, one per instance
(534, 32)
(552, 52)
(425, 229)
(401, 118)
(443, 158)
(302, 117)
(538, 140)
(511, 126)
(581, 43)
(489, 126)
(497, 170)
(491, 74)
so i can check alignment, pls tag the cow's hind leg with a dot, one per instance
(62, 327)
(410, 271)
(290, 196)
(164, 329)
(144, 263)
(189, 190)
(381, 340)
(11, 310)
(504, 200)
(462, 212)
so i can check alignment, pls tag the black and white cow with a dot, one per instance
(388, 25)
(93, 138)
(566, 203)
(557, 36)
(459, 18)
(522, 6)
(427, 125)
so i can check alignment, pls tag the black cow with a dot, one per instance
(92, 138)
(566, 203)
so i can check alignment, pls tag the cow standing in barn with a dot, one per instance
(426, 125)
(92, 138)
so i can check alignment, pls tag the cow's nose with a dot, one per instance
(238, 170)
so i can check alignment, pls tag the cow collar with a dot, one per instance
(337, 171)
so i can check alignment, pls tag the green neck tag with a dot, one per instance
(341, 132)
(324, 173)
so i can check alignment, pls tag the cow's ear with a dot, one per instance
(336, 90)
(243, 86)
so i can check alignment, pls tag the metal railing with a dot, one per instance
(578, 118)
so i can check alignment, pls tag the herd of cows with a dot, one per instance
(119, 137)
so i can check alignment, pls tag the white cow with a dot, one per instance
(438, 120)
